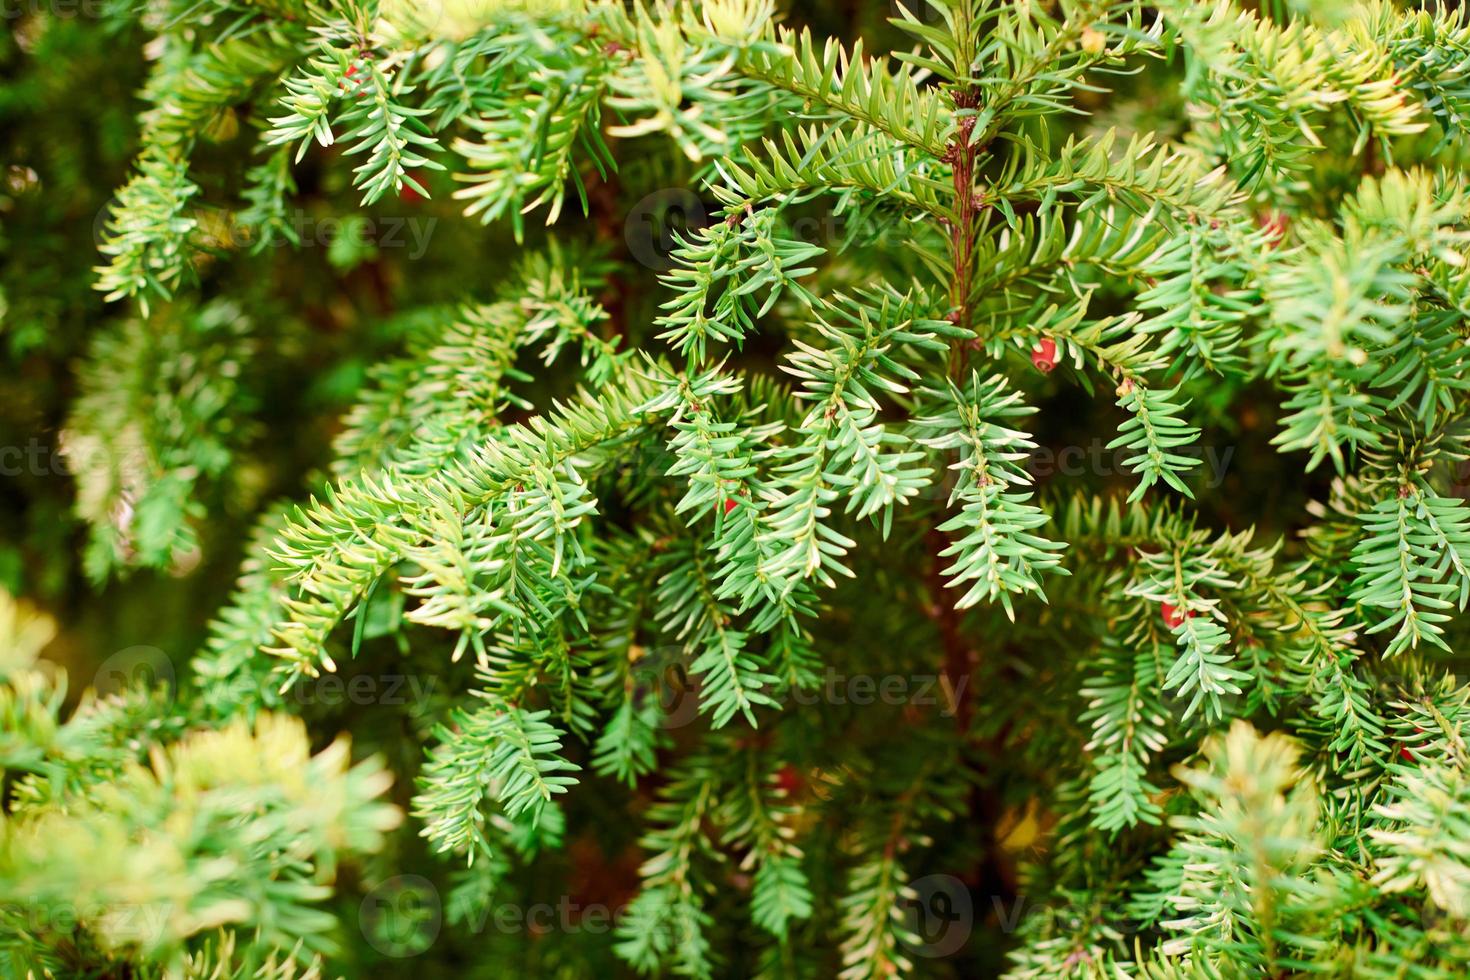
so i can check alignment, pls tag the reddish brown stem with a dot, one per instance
(959, 658)
(962, 156)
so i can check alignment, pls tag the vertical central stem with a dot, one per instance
(958, 664)
(962, 226)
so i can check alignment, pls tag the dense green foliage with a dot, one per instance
(971, 488)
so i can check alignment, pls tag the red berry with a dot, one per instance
(1275, 225)
(788, 779)
(356, 87)
(1172, 616)
(729, 504)
(1404, 752)
(1044, 355)
(406, 193)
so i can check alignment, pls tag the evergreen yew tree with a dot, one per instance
(968, 488)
